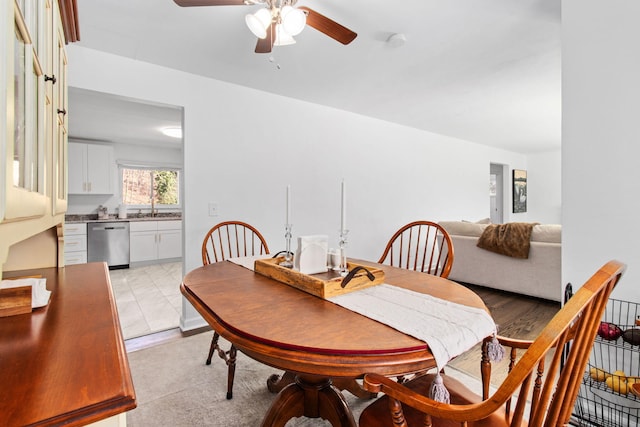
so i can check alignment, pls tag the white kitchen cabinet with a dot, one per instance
(169, 239)
(143, 241)
(155, 240)
(75, 243)
(90, 168)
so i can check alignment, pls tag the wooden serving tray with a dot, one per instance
(323, 285)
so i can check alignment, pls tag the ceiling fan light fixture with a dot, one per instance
(259, 22)
(293, 20)
(283, 38)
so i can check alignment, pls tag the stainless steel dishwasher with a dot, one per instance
(109, 242)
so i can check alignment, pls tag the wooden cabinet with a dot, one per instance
(75, 243)
(33, 132)
(66, 364)
(59, 109)
(152, 241)
(90, 168)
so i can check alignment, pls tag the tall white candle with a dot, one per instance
(288, 205)
(343, 211)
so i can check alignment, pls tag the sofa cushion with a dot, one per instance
(461, 228)
(550, 233)
(480, 221)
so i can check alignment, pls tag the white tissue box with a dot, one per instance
(311, 255)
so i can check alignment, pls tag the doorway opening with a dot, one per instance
(496, 192)
(147, 294)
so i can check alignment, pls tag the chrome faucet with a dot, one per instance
(153, 209)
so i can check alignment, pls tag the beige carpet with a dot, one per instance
(175, 388)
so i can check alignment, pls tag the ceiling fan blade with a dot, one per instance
(328, 26)
(189, 3)
(266, 44)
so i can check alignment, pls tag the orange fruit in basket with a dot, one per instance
(620, 374)
(617, 384)
(635, 388)
(632, 380)
(598, 374)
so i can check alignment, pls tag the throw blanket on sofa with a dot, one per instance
(512, 239)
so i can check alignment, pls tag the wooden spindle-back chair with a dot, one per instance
(225, 240)
(552, 393)
(232, 239)
(421, 246)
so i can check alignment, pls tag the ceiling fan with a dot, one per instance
(279, 21)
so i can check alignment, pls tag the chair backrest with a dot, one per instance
(552, 396)
(576, 324)
(232, 239)
(421, 246)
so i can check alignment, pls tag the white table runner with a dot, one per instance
(448, 328)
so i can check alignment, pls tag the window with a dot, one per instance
(145, 186)
(28, 102)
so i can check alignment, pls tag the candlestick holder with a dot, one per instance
(343, 253)
(288, 256)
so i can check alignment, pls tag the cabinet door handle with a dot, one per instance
(62, 111)
(52, 78)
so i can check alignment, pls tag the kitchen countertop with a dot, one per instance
(164, 216)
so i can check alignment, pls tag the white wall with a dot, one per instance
(242, 147)
(601, 139)
(88, 204)
(544, 195)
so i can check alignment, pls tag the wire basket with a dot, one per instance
(605, 398)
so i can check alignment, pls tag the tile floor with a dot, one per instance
(148, 298)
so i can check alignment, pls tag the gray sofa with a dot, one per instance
(537, 276)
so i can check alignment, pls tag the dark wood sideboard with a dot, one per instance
(66, 363)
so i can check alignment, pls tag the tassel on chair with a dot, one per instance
(495, 350)
(438, 391)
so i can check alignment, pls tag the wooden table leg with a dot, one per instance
(310, 397)
(352, 386)
(275, 384)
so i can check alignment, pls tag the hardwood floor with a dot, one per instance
(517, 316)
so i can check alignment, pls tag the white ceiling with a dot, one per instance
(482, 70)
(100, 117)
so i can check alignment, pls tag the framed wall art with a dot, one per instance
(519, 191)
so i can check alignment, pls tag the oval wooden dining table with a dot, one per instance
(317, 341)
